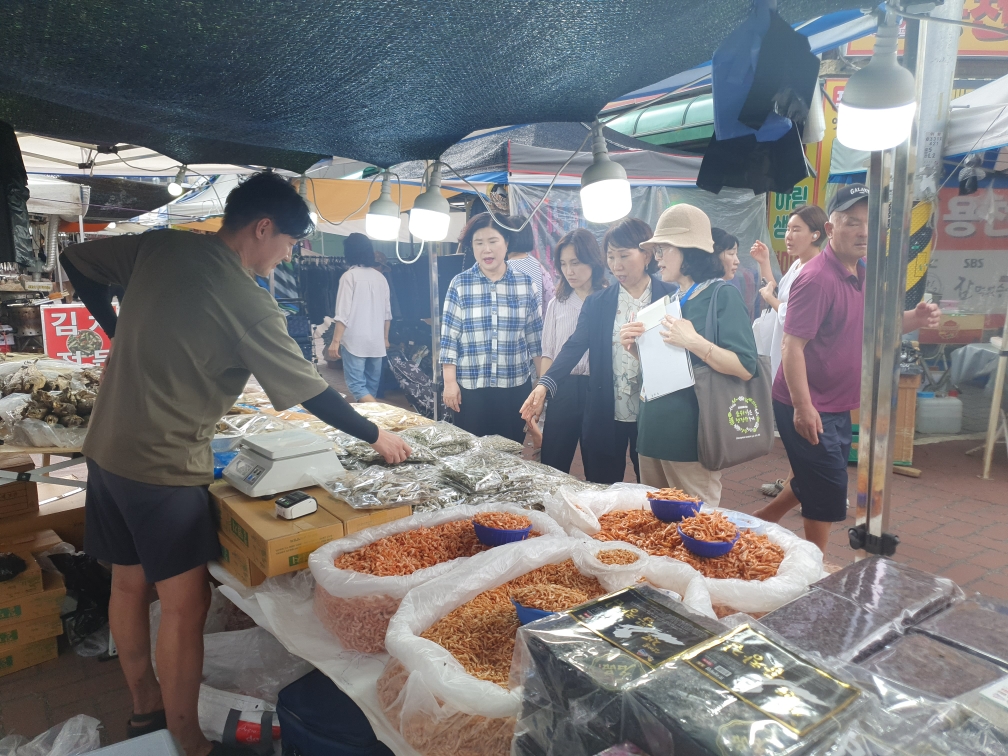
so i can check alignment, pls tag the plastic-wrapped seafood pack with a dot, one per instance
(930, 666)
(892, 590)
(746, 692)
(831, 625)
(389, 417)
(499, 444)
(978, 625)
(575, 665)
(379, 487)
(444, 439)
(480, 471)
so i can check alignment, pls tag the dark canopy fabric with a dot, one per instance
(280, 82)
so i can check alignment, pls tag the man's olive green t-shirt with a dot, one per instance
(193, 326)
(667, 426)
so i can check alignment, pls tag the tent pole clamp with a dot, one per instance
(884, 545)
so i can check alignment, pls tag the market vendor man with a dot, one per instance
(819, 380)
(193, 326)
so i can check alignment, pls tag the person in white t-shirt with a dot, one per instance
(521, 244)
(363, 317)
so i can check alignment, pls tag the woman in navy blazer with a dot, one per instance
(609, 426)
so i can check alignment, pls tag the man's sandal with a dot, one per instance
(145, 724)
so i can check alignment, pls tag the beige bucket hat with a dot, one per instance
(683, 226)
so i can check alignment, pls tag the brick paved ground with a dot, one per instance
(950, 522)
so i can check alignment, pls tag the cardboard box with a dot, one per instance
(236, 561)
(906, 419)
(30, 631)
(27, 583)
(28, 655)
(954, 329)
(36, 543)
(65, 516)
(278, 546)
(19, 497)
(35, 605)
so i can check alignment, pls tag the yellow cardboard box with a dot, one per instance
(30, 631)
(15, 659)
(25, 584)
(237, 562)
(47, 603)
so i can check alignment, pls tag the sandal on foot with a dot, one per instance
(772, 489)
(145, 724)
(220, 749)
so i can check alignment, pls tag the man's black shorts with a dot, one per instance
(167, 529)
(820, 471)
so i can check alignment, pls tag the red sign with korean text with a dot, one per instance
(974, 222)
(70, 333)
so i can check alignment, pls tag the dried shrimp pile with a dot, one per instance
(405, 553)
(672, 494)
(616, 556)
(712, 526)
(549, 598)
(754, 557)
(481, 633)
(502, 521)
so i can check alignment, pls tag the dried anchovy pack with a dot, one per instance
(444, 439)
(380, 487)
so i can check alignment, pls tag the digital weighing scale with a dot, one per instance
(270, 463)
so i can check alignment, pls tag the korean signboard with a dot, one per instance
(70, 333)
(973, 43)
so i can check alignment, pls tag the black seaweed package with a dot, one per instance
(831, 625)
(979, 626)
(892, 590)
(574, 666)
(932, 667)
(742, 694)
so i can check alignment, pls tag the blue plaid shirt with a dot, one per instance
(491, 330)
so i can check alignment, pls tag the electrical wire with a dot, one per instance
(954, 22)
(311, 182)
(422, 241)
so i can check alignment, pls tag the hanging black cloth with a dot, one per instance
(744, 163)
(15, 232)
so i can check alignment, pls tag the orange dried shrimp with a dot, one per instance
(405, 553)
(754, 557)
(549, 598)
(672, 494)
(502, 521)
(712, 526)
(480, 634)
(616, 556)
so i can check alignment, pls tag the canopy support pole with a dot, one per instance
(996, 414)
(435, 321)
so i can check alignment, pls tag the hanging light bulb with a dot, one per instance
(429, 218)
(175, 188)
(605, 191)
(877, 108)
(383, 221)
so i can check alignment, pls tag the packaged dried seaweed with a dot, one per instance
(892, 590)
(831, 625)
(978, 625)
(931, 666)
(743, 693)
(444, 439)
(574, 666)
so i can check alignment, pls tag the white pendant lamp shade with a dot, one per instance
(383, 221)
(876, 111)
(175, 188)
(605, 191)
(429, 218)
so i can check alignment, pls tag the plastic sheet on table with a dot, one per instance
(389, 417)
(444, 439)
(893, 590)
(356, 607)
(379, 487)
(574, 666)
(978, 625)
(932, 667)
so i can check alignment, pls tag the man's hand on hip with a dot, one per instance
(392, 448)
(808, 423)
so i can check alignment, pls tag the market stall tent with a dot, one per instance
(979, 120)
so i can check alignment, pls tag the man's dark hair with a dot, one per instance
(519, 241)
(628, 234)
(268, 195)
(700, 265)
(357, 250)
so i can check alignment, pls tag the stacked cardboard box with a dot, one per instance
(256, 544)
(19, 497)
(29, 613)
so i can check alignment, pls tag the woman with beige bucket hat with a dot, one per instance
(667, 426)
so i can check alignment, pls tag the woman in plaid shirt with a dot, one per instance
(491, 332)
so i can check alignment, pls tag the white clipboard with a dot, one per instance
(664, 368)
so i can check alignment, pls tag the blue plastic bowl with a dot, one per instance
(669, 510)
(527, 614)
(497, 536)
(707, 548)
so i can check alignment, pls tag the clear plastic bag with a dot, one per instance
(389, 417)
(38, 433)
(444, 439)
(11, 408)
(978, 625)
(239, 426)
(500, 444)
(379, 487)
(77, 735)
(356, 607)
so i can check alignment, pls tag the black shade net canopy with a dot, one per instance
(284, 83)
